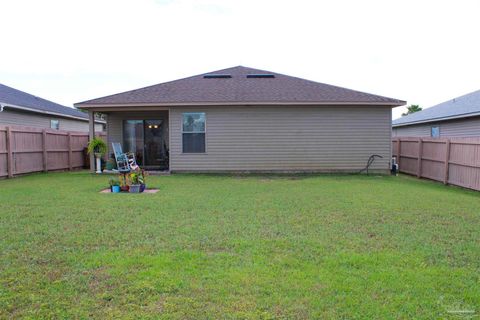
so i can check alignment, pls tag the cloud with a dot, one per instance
(420, 51)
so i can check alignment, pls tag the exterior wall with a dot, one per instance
(412, 131)
(282, 138)
(115, 123)
(467, 127)
(35, 120)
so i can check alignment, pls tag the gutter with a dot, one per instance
(3, 105)
(460, 116)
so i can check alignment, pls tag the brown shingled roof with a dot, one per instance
(239, 89)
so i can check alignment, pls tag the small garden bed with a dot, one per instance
(132, 182)
(144, 191)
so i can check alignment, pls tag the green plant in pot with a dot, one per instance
(124, 182)
(98, 147)
(143, 178)
(114, 185)
(135, 182)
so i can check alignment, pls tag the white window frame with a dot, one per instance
(204, 130)
(52, 121)
(431, 131)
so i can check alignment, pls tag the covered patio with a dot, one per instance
(145, 134)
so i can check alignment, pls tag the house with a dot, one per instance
(244, 119)
(23, 109)
(459, 117)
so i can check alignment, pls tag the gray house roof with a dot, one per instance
(13, 98)
(241, 85)
(461, 107)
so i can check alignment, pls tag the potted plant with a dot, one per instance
(124, 184)
(134, 182)
(142, 179)
(114, 185)
(98, 147)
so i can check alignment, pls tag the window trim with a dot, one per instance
(204, 130)
(58, 124)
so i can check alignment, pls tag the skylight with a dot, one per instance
(216, 76)
(260, 75)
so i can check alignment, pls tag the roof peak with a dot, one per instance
(242, 89)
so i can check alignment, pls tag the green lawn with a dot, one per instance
(239, 247)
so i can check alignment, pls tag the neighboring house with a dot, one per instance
(243, 119)
(23, 109)
(459, 117)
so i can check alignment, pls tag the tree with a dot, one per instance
(412, 109)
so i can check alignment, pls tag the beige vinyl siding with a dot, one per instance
(36, 120)
(285, 138)
(412, 131)
(115, 123)
(467, 127)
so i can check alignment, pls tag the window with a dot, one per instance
(55, 124)
(193, 132)
(435, 132)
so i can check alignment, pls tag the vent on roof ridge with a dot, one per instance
(260, 75)
(217, 76)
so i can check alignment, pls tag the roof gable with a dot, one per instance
(233, 86)
(461, 107)
(17, 98)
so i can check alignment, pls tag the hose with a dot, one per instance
(371, 159)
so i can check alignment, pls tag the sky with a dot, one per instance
(424, 52)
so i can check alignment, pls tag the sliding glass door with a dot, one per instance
(133, 138)
(148, 139)
(155, 143)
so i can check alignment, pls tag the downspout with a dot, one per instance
(1, 107)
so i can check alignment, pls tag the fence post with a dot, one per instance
(419, 163)
(447, 159)
(44, 149)
(9, 153)
(69, 151)
(398, 152)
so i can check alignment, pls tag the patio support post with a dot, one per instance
(91, 135)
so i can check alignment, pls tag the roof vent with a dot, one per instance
(260, 75)
(217, 76)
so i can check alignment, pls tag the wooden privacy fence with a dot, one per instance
(453, 161)
(24, 150)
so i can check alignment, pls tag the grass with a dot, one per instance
(239, 247)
